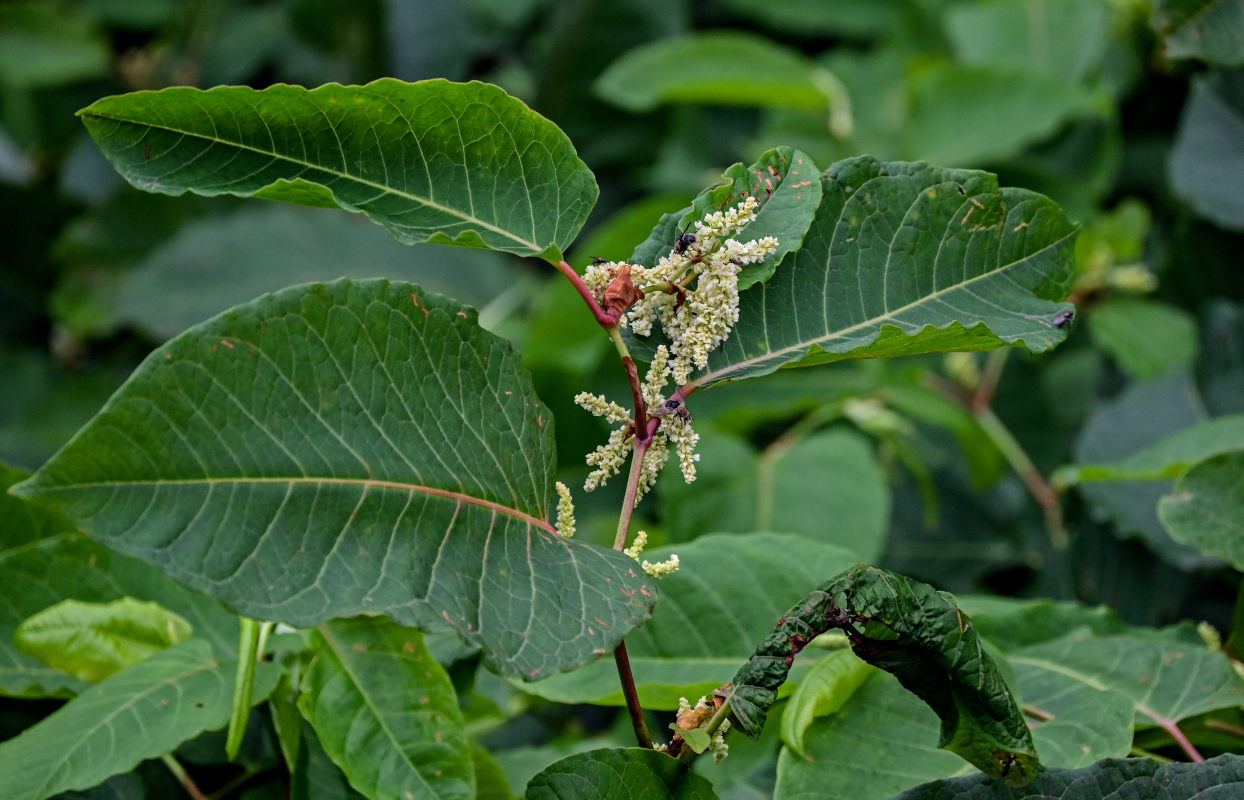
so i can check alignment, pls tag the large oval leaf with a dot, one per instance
(386, 712)
(342, 448)
(434, 161)
(905, 258)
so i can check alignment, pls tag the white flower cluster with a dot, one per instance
(565, 511)
(657, 570)
(700, 312)
(717, 742)
(609, 458)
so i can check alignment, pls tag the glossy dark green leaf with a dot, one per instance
(91, 641)
(343, 448)
(138, 713)
(619, 774)
(1169, 457)
(1219, 778)
(434, 161)
(386, 712)
(904, 259)
(1211, 30)
(1207, 159)
(1206, 510)
(713, 67)
(700, 633)
(1148, 339)
(212, 264)
(920, 636)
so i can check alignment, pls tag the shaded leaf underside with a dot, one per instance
(344, 448)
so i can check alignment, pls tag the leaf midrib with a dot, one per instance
(309, 165)
(365, 483)
(739, 366)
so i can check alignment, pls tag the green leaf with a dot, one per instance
(1207, 159)
(1211, 30)
(920, 636)
(619, 774)
(1206, 510)
(792, 488)
(1169, 457)
(91, 641)
(1010, 623)
(851, 18)
(346, 448)
(1141, 415)
(786, 183)
(1066, 39)
(1147, 338)
(22, 522)
(878, 744)
(215, 263)
(823, 691)
(69, 566)
(1166, 679)
(701, 630)
(44, 44)
(904, 259)
(385, 712)
(433, 161)
(725, 67)
(138, 713)
(1010, 110)
(1219, 777)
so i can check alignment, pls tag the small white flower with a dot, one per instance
(565, 511)
(661, 568)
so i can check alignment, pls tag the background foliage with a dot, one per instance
(1127, 113)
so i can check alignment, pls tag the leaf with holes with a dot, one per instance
(343, 448)
(385, 712)
(433, 161)
(905, 258)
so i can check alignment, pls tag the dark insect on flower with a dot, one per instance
(1063, 318)
(683, 241)
(599, 260)
(673, 407)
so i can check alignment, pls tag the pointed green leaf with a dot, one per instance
(920, 636)
(1211, 30)
(1167, 458)
(1207, 159)
(386, 712)
(619, 774)
(433, 161)
(903, 259)
(336, 449)
(822, 692)
(1206, 509)
(1218, 778)
(91, 641)
(700, 632)
(138, 713)
(714, 67)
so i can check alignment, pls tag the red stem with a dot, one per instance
(1172, 728)
(605, 319)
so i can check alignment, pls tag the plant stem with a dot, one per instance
(632, 375)
(183, 777)
(1143, 753)
(1038, 487)
(687, 755)
(632, 490)
(1172, 729)
(1225, 727)
(988, 386)
(636, 711)
(606, 320)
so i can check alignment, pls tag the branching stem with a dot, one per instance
(605, 319)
